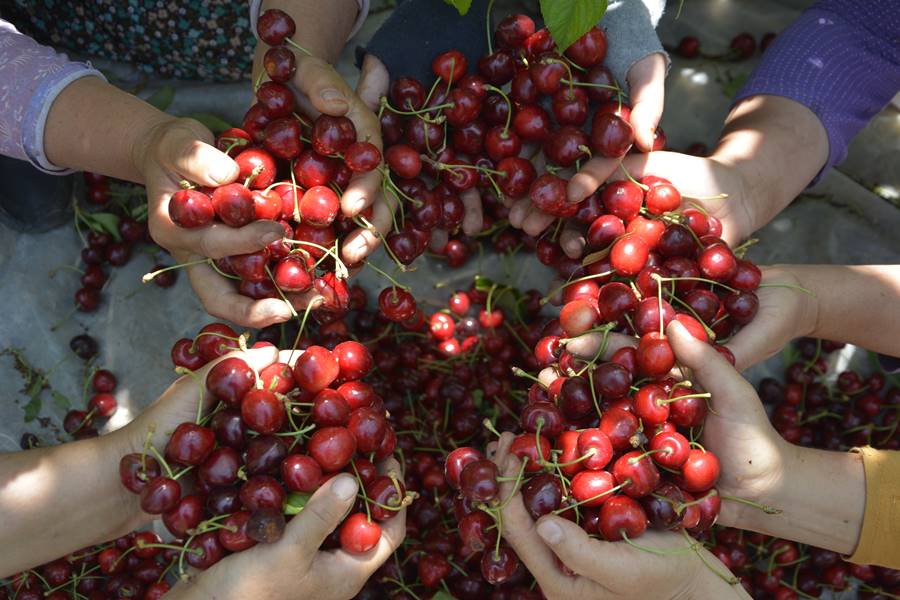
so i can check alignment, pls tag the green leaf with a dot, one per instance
(60, 400)
(296, 501)
(108, 222)
(733, 85)
(462, 6)
(32, 408)
(483, 284)
(162, 98)
(568, 20)
(790, 354)
(212, 122)
(443, 595)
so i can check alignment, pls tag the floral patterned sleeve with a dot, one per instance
(31, 77)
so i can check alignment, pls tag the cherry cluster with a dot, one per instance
(132, 566)
(292, 170)
(81, 424)
(273, 438)
(109, 241)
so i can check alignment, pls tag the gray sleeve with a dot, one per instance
(631, 32)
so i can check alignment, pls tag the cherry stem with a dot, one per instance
(704, 280)
(162, 461)
(672, 399)
(563, 509)
(509, 107)
(393, 281)
(769, 510)
(698, 549)
(786, 285)
(281, 293)
(200, 385)
(615, 88)
(520, 373)
(628, 175)
(151, 276)
(487, 26)
(657, 551)
(291, 42)
(557, 290)
(490, 426)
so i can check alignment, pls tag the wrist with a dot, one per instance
(145, 140)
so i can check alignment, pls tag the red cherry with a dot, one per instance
(655, 357)
(319, 206)
(274, 26)
(234, 204)
(700, 471)
(316, 369)
(622, 515)
(358, 534)
(450, 66)
(611, 135)
(592, 487)
(589, 49)
(191, 208)
(332, 447)
(262, 411)
(257, 166)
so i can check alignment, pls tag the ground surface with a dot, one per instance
(840, 221)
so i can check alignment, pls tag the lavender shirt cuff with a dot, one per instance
(839, 59)
(31, 77)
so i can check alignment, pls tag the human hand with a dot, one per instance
(785, 313)
(179, 403)
(614, 570)
(646, 87)
(701, 181)
(319, 89)
(179, 149)
(753, 457)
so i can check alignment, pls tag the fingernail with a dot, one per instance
(549, 532)
(344, 487)
(221, 172)
(268, 238)
(332, 95)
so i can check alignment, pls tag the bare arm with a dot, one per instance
(60, 499)
(777, 146)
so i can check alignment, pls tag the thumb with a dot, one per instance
(322, 514)
(373, 82)
(326, 90)
(709, 368)
(646, 83)
(594, 559)
(185, 147)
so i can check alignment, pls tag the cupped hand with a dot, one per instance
(715, 186)
(182, 149)
(180, 402)
(294, 567)
(613, 570)
(753, 457)
(785, 312)
(646, 86)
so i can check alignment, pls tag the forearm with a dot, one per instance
(777, 146)
(58, 500)
(855, 304)
(322, 27)
(94, 126)
(821, 496)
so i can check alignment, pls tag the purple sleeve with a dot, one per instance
(841, 60)
(31, 77)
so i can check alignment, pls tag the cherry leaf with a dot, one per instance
(568, 20)
(162, 98)
(462, 6)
